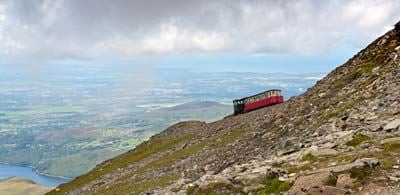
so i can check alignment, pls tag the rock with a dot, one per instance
(394, 139)
(396, 179)
(329, 145)
(259, 172)
(251, 188)
(323, 190)
(306, 182)
(374, 127)
(372, 188)
(287, 152)
(393, 125)
(360, 163)
(323, 152)
(344, 181)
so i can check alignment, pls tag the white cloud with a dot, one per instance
(92, 28)
(170, 38)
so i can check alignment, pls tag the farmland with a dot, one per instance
(64, 124)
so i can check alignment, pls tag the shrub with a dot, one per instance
(274, 186)
(331, 180)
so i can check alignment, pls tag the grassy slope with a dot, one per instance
(148, 149)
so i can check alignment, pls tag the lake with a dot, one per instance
(7, 171)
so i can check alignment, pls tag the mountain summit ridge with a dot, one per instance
(340, 136)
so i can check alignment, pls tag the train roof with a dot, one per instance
(257, 94)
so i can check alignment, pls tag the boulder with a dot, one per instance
(344, 181)
(306, 182)
(287, 152)
(324, 190)
(393, 125)
(394, 139)
(323, 152)
(373, 188)
(358, 164)
(252, 188)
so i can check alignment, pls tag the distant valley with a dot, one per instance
(64, 124)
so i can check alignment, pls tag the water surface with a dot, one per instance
(7, 171)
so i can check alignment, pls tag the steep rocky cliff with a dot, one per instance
(341, 136)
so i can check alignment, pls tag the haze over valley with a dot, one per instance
(65, 121)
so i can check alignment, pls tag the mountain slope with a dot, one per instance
(195, 105)
(20, 186)
(340, 136)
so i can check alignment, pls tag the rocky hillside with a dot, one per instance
(341, 136)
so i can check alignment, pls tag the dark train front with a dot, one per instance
(264, 99)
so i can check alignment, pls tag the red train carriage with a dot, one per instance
(260, 100)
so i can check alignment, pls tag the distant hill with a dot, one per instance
(196, 105)
(20, 186)
(341, 136)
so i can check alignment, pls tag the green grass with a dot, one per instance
(175, 156)
(360, 173)
(392, 147)
(79, 162)
(141, 152)
(274, 186)
(357, 140)
(214, 189)
(367, 67)
(138, 187)
(156, 145)
(271, 186)
(219, 141)
(309, 157)
(229, 137)
(331, 180)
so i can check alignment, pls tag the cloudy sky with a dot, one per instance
(267, 35)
